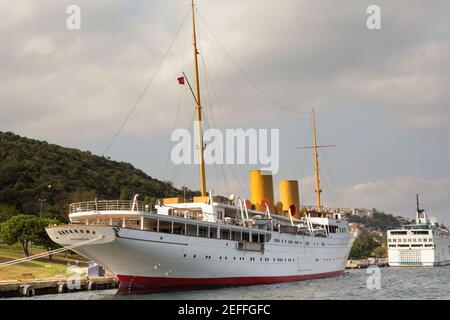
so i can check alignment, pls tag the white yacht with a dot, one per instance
(209, 241)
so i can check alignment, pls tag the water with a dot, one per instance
(396, 283)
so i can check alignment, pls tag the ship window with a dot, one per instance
(245, 236)
(117, 222)
(262, 238)
(213, 233)
(431, 239)
(179, 228)
(149, 224)
(165, 226)
(277, 240)
(191, 230)
(296, 242)
(203, 232)
(254, 237)
(133, 224)
(425, 239)
(225, 234)
(398, 232)
(236, 235)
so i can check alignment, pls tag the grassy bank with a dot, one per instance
(37, 269)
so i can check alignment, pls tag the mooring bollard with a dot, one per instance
(62, 288)
(92, 285)
(28, 291)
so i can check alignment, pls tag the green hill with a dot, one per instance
(28, 167)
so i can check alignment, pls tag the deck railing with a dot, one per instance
(108, 205)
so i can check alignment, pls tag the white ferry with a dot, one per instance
(422, 244)
(209, 242)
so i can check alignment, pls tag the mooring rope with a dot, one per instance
(48, 253)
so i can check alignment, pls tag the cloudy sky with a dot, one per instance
(382, 96)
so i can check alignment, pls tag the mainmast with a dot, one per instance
(316, 162)
(315, 147)
(198, 109)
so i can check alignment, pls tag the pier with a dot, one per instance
(25, 288)
(365, 263)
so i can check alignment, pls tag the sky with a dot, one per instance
(381, 96)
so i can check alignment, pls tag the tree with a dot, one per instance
(40, 235)
(380, 252)
(363, 246)
(6, 212)
(25, 229)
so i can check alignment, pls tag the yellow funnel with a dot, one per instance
(289, 196)
(261, 190)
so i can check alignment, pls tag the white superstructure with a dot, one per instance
(196, 245)
(420, 244)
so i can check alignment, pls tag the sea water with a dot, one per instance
(384, 283)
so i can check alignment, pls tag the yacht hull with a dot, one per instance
(147, 261)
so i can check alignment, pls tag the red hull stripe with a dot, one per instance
(132, 284)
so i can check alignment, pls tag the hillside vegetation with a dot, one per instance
(31, 170)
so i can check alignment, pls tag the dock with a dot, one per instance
(365, 263)
(30, 288)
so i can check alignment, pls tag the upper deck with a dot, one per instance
(138, 215)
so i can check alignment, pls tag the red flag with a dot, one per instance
(181, 80)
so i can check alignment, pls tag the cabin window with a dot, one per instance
(179, 228)
(150, 225)
(132, 224)
(116, 222)
(191, 230)
(225, 234)
(236, 235)
(203, 232)
(245, 236)
(213, 233)
(262, 238)
(165, 226)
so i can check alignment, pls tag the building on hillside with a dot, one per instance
(356, 228)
